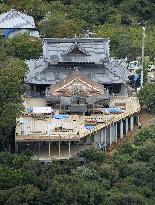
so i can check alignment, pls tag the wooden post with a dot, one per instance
(110, 135)
(60, 105)
(39, 149)
(49, 150)
(59, 150)
(105, 140)
(16, 147)
(116, 131)
(69, 146)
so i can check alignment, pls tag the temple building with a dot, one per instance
(66, 60)
(14, 22)
(77, 98)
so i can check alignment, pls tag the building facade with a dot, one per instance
(14, 22)
(90, 56)
(76, 78)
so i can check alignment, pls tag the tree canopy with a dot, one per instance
(126, 177)
(147, 96)
(22, 46)
(12, 72)
(120, 20)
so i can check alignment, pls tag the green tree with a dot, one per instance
(86, 11)
(12, 73)
(93, 155)
(23, 195)
(22, 46)
(126, 199)
(147, 96)
(56, 25)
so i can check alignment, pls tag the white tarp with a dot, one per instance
(42, 110)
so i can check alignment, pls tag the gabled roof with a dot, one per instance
(15, 19)
(76, 48)
(74, 76)
(61, 50)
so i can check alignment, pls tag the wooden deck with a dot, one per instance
(73, 128)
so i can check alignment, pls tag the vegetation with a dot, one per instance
(118, 19)
(125, 178)
(12, 72)
(22, 47)
(147, 96)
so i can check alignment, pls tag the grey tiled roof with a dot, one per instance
(118, 68)
(16, 19)
(42, 73)
(92, 59)
(97, 50)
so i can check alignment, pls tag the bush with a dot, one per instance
(147, 96)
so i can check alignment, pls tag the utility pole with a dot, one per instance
(142, 68)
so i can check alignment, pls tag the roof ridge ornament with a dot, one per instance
(76, 48)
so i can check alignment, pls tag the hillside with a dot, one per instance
(127, 177)
(120, 20)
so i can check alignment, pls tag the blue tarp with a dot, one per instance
(29, 109)
(7, 32)
(89, 127)
(60, 117)
(135, 77)
(114, 110)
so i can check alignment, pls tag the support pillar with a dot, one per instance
(121, 129)
(137, 120)
(102, 136)
(16, 147)
(131, 123)
(39, 149)
(49, 150)
(126, 126)
(34, 89)
(69, 149)
(116, 132)
(107, 135)
(97, 137)
(110, 136)
(113, 133)
(105, 139)
(59, 150)
(89, 139)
